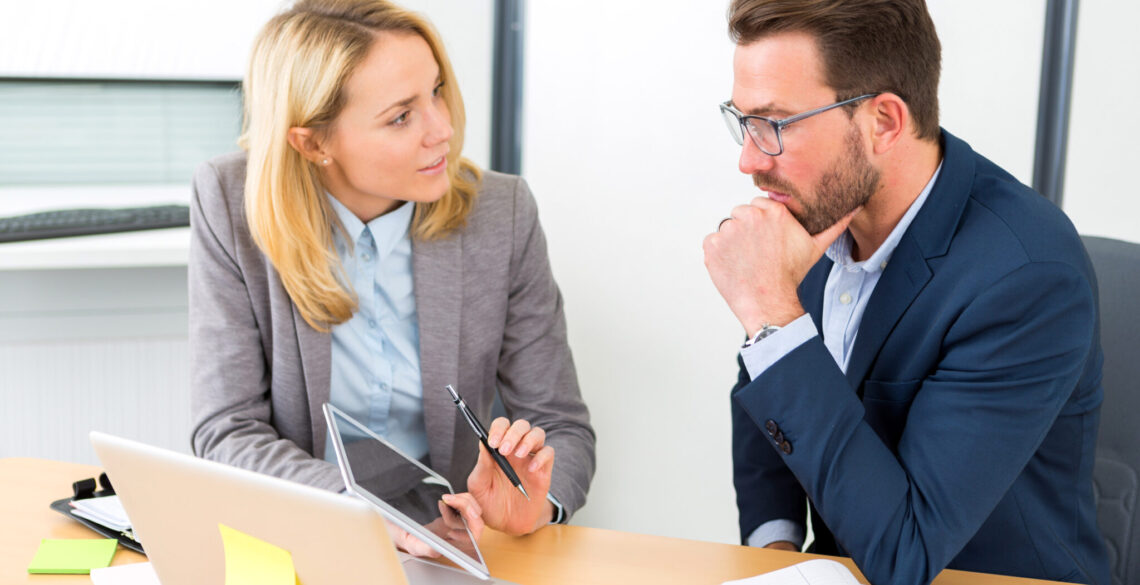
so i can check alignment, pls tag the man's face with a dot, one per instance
(824, 172)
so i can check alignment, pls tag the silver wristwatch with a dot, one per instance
(764, 331)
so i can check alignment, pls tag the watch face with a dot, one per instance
(764, 331)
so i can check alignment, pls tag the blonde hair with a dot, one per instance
(300, 63)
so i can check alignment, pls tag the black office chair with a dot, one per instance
(1117, 473)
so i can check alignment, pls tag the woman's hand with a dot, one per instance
(453, 510)
(410, 544)
(504, 507)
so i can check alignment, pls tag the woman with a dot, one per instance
(351, 255)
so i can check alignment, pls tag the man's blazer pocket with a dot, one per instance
(890, 391)
(885, 405)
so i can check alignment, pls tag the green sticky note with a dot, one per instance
(252, 561)
(73, 556)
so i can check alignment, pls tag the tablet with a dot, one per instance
(404, 490)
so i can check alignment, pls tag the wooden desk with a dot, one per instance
(556, 555)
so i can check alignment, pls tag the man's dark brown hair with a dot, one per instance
(867, 46)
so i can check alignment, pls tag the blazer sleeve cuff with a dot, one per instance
(760, 356)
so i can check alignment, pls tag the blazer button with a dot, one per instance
(778, 437)
(772, 427)
(786, 447)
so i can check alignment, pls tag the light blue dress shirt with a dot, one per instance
(848, 289)
(375, 374)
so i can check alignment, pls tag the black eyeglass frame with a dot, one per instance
(777, 125)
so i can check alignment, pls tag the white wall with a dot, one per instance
(991, 69)
(84, 350)
(632, 167)
(1104, 132)
(207, 39)
(991, 73)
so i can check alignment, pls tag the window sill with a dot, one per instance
(149, 248)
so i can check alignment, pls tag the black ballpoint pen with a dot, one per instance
(482, 433)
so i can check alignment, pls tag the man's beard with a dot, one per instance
(849, 184)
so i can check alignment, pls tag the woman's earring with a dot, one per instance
(325, 162)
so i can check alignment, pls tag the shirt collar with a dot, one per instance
(840, 250)
(348, 219)
(387, 231)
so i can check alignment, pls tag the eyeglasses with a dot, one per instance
(767, 133)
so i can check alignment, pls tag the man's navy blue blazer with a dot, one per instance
(963, 432)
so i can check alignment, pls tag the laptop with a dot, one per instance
(404, 490)
(176, 502)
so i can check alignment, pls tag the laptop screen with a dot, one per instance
(397, 483)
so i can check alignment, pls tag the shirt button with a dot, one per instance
(845, 298)
(365, 256)
(372, 323)
(883, 265)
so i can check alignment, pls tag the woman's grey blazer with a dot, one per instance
(490, 317)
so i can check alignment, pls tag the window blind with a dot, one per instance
(79, 132)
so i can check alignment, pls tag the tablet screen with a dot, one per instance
(397, 483)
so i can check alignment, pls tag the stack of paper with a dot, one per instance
(814, 572)
(133, 574)
(107, 510)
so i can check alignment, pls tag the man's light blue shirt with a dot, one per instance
(848, 289)
(375, 375)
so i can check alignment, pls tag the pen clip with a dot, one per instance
(467, 414)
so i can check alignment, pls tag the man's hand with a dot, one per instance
(782, 545)
(758, 258)
(504, 507)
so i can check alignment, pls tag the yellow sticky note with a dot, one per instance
(251, 561)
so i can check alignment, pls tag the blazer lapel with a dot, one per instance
(904, 277)
(811, 291)
(316, 364)
(907, 272)
(438, 279)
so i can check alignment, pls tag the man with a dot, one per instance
(922, 363)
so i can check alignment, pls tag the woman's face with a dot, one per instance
(389, 143)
